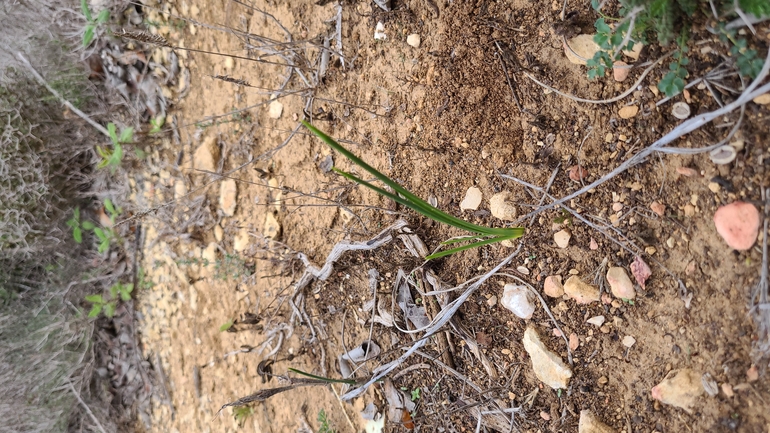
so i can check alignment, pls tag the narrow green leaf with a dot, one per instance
(109, 206)
(109, 309)
(112, 130)
(88, 225)
(95, 310)
(88, 35)
(126, 135)
(103, 16)
(94, 299)
(77, 234)
(86, 11)
(226, 326)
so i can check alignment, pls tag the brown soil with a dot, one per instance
(446, 120)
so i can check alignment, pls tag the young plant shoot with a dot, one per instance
(402, 196)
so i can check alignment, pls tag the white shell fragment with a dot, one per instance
(681, 110)
(723, 155)
(519, 300)
(379, 32)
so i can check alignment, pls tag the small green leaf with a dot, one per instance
(88, 225)
(103, 16)
(126, 135)
(88, 35)
(109, 309)
(86, 11)
(77, 234)
(415, 394)
(226, 326)
(99, 232)
(112, 130)
(109, 206)
(94, 299)
(602, 27)
(95, 310)
(114, 290)
(104, 246)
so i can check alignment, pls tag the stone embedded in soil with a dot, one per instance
(413, 40)
(738, 224)
(574, 341)
(629, 341)
(275, 110)
(241, 241)
(501, 206)
(206, 156)
(272, 227)
(590, 423)
(548, 366)
(752, 374)
(658, 208)
(621, 285)
(596, 321)
(687, 171)
(472, 199)
(553, 287)
(680, 388)
(728, 390)
(763, 99)
(228, 194)
(628, 112)
(593, 245)
(562, 238)
(641, 271)
(620, 71)
(581, 292)
(519, 300)
(577, 173)
(584, 48)
(219, 233)
(635, 51)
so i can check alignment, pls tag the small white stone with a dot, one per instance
(379, 32)
(275, 110)
(519, 300)
(620, 283)
(501, 206)
(472, 199)
(413, 40)
(548, 366)
(241, 241)
(228, 195)
(562, 238)
(629, 341)
(596, 321)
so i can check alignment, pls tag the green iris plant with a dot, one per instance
(401, 196)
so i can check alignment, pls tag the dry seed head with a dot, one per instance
(144, 37)
(230, 79)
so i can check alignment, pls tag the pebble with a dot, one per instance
(553, 286)
(275, 110)
(522, 270)
(629, 341)
(658, 208)
(577, 173)
(603, 380)
(635, 51)
(620, 71)
(596, 321)
(589, 423)
(574, 342)
(680, 388)
(584, 46)
(714, 187)
(620, 284)
(628, 111)
(472, 199)
(738, 224)
(562, 238)
(641, 271)
(219, 233)
(379, 32)
(492, 301)
(501, 206)
(519, 300)
(581, 292)
(228, 194)
(617, 206)
(752, 374)
(272, 227)
(413, 40)
(687, 171)
(241, 240)
(728, 390)
(545, 415)
(763, 99)
(548, 366)
(593, 246)
(206, 156)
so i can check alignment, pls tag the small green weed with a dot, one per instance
(157, 124)
(105, 234)
(242, 413)
(324, 421)
(746, 59)
(113, 157)
(416, 394)
(673, 83)
(226, 326)
(402, 196)
(91, 23)
(107, 304)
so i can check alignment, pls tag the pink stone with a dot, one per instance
(641, 271)
(738, 224)
(577, 173)
(658, 208)
(620, 71)
(553, 286)
(686, 171)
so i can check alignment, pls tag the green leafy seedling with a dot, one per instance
(226, 326)
(403, 197)
(74, 224)
(157, 123)
(100, 304)
(121, 290)
(113, 157)
(91, 23)
(416, 394)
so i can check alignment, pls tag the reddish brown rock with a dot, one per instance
(738, 224)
